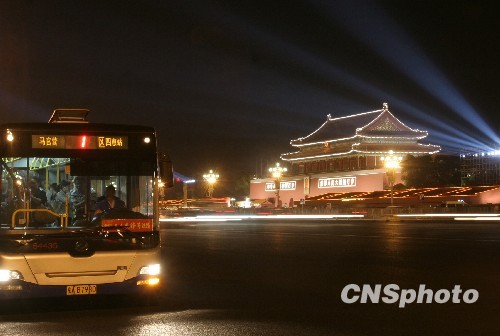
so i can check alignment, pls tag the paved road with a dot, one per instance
(268, 278)
(297, 271)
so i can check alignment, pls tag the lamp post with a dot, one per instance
(391, 163)
(276, 172)
(161, 189)
(210, 179)
(185, 190)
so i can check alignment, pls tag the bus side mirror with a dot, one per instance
(166, 170)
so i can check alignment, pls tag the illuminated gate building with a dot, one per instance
(345, 154)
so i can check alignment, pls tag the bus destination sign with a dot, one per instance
(79, 142)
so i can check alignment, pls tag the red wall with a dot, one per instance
(372, 180)
(492, 197)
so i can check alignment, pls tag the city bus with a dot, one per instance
(58, 243)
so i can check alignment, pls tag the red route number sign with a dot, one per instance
(135, 225)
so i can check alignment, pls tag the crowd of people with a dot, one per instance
(70, 197)
(67, 197)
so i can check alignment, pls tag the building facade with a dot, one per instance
(345, 154)
(480, 167)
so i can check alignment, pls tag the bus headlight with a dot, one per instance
(153, 272)
(150, 270)
(7, 275)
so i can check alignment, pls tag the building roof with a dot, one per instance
(366, 148)
(387, 125)
(402, 148)
(338, 128)
(378, 123)
(373, 133)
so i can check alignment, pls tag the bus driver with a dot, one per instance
(110, 201)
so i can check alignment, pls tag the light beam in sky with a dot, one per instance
(450, 132)
(384, 36)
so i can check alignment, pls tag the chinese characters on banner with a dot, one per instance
(286, 185)
(336, 182)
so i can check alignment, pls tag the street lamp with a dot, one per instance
(161, 189)
(185, 190)
(391, 163)
(277, 172)
(210, 179)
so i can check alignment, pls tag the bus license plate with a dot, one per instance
(81, 290)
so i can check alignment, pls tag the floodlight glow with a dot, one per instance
(277, 171)
(211, 177)
(391, 161)
(384, 36)
(277, 92)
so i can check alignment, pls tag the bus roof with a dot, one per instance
(72, 127)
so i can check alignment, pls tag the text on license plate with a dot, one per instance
(81, 290)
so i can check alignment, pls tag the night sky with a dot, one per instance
(228, 84)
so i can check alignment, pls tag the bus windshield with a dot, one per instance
(55, 192)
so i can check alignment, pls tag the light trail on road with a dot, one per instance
(223, 218)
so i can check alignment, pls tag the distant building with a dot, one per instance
(343, 155)
(355, 142)
(480, 168)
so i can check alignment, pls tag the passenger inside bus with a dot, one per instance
(109, 201)
(59, 203)
(38, 195)
(52, 192)
(77, 199)
(38, 200)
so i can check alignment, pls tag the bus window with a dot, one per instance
(84, 192)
